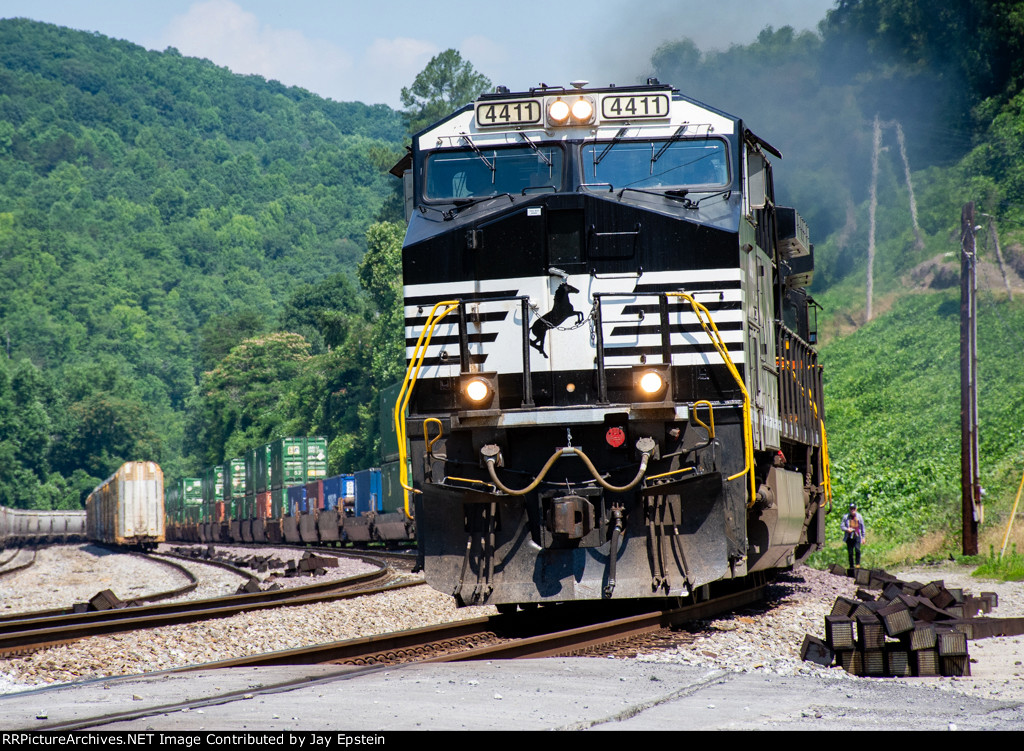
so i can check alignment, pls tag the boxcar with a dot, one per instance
(128, 508)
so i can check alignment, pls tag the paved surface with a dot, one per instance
(552, 694)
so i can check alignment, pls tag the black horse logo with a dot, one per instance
(562, 309)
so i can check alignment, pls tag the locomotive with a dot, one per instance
(612, 389)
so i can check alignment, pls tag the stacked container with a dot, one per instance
(213, 504)
(391, 522)
(186, 498)
(234, 495)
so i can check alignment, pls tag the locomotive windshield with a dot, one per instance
(472, 172)
(656, 163)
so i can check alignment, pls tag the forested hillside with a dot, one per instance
(182, 268)
(156, 211)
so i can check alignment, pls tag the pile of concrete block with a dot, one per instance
(895, 628)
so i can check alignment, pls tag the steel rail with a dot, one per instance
(56, 612)
(571, 641)
(551, 633)
(20, 566)
(612, 631)
(39, 634)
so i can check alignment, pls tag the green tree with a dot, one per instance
(322, 312)
(248, 399)
(103, 431)
(380, 274)
(24, 436)
(447, 83)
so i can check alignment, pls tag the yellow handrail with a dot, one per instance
(412, 372)
(716, 339)
(826, 465)
(426, 434)
(711, 413)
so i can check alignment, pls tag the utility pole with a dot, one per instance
(970, 484)
(910, 184)
(994, 236)
(872, 208)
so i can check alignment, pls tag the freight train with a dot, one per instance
(612, 388)
(279, 493)
(28, 527)
(127, 508)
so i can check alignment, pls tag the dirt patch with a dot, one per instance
(943, 272)
(928, 545)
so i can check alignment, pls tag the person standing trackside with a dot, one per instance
(853, 534)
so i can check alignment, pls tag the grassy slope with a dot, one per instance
(892, 391)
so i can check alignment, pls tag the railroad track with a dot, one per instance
(540, 633)
(558, 631)
(35, 631)
(39, 616)
(8, 566)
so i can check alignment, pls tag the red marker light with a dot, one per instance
(615, 437)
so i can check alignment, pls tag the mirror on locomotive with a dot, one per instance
(757, 182)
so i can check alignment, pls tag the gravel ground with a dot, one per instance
(65, 574)
(174, 646)
(769, 641)
(762, 640)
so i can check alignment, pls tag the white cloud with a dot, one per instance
(223, 32)
(390, 64)
(485, 54)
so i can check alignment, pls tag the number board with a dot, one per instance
(506, 112)
(634, 106)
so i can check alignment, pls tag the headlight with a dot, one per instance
(582, 110)
(477, 390)
(651, 383)
(558, 112)
(572, 111)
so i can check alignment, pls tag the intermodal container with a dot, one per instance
(234, 486)
(388, 431)
(368, 491)
(263, 505)
(263, 468)
(278, 502)
(315, 495)
(190, 498)
(392, 492)
(296, 495)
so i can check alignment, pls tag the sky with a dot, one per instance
(350, 50)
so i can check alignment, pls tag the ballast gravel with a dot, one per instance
(769, 640)
(85, 573)
(765, 639)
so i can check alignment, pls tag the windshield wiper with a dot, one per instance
(615, 140)
(463, 203)
(676, 193)
(490, 164)
(672, 139)
(535, 147)
(679, 194)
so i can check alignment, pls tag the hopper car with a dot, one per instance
(24, 527)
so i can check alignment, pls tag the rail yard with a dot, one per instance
(758, 641)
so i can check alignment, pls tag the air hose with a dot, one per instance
(492, 453)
